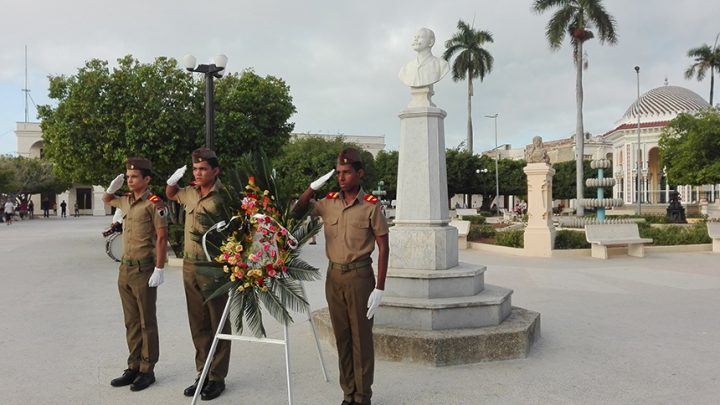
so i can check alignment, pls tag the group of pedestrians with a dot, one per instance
(354, 224)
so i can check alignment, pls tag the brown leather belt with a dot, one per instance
(350, 266)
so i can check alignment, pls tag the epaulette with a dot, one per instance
(154, 199)
(127, 194)
(192, 184)
(332, 195)
(371, 199)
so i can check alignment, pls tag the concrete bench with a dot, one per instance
(463, 228)
(714, 232)
(461, 212)
(600, 236)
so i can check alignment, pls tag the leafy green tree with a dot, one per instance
(690, 148)
(386, 164)
(564, 186)
(303, 160)
(252, 113)
(155, 110)
(575, 18)
(472, 62)
(461, 167)
(30, 176)
(706, 60)
(513, 180)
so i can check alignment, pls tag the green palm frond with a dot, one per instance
(253, 314)
(291, 294)
(297, 269)
(275, 307)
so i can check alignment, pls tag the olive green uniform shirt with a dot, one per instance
(195, 207)
(141, 217)
(350, 229)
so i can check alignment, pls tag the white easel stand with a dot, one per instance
(285, 342)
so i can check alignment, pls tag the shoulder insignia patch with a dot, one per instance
(154, 199)
(371, 199)
(162, 211)
(332, 195)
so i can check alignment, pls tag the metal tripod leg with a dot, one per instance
(314, 331)
(213, 347)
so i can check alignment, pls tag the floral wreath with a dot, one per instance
(257, 258)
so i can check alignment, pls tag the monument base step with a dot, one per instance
(512, 339)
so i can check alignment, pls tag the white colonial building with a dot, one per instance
(655, 109)
(372, 144)
(89, 198)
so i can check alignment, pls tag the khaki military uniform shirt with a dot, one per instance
(141, 218)
(350, 229)
(195, 207)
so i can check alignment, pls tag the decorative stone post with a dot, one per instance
(540, 232)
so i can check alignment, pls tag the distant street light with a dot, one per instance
(497, 157)
(639, 160)
(213, 70)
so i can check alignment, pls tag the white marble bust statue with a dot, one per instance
(426, 68)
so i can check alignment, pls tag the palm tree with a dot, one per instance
(472, 61)
(575, 18)
(706, 58)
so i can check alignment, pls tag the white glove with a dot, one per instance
(116, 184)
(374, 302)
(179, 173)
(157, 277)
(315, 185)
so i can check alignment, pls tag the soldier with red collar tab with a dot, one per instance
(141, 269)
(200, 197)
(354, 224)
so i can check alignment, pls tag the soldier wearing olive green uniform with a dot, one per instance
(199, 199)
(143, 259)
(353, 223)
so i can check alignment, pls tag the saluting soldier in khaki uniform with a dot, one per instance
(199, 198)
(353, 224)
(141, 270)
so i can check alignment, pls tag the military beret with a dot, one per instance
(138, 163)
(349, 156)
(202, 154)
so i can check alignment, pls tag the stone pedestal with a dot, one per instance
(98, 206)
(436, 310)
(540, 232)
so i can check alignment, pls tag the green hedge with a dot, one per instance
(481, 232)
(474, 219)
(676, 234)
(510, 238)
(567, 239)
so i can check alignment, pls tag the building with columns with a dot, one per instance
(655, 109)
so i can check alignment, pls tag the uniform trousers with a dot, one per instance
(204, 320)
(347, 295)
(138, 303)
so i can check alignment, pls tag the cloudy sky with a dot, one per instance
(341, 58)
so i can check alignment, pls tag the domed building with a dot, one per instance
(655, 109)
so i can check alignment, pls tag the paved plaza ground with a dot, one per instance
(619, 331)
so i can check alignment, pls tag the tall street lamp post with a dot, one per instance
(497, 157)
(211, 71)
(639, 159)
